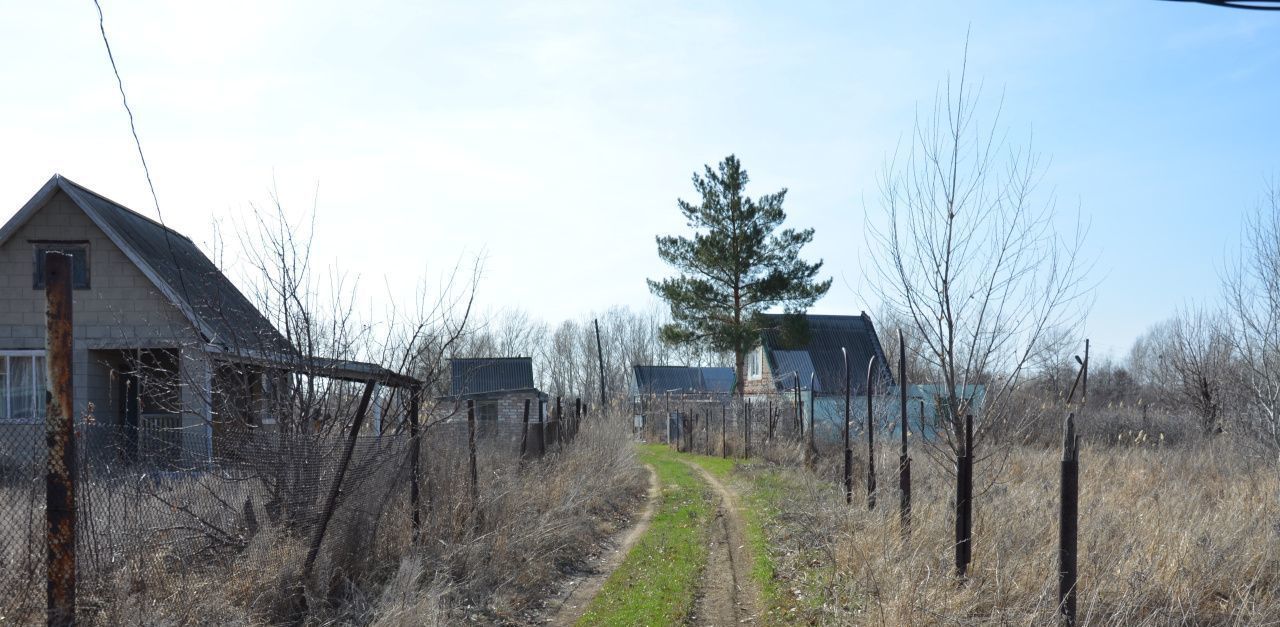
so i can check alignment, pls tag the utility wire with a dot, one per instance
(133, 128)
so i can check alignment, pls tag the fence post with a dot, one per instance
(540, 432)
(524, 432)
(1068, 521)
(415, 400)
(964, 500)
(474, 486)
(848, 449)
(746, 430)
(724, 440)
(577, 418)
(871, 439)
(706, 432)
(60, 478)
(904, 461)
(327, 514)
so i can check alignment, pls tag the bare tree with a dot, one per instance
(1253, 303)
(1190, 361)
(972, 262)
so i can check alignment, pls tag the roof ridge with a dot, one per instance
(79, 187)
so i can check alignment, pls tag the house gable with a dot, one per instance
(122, 308)
(172, 263)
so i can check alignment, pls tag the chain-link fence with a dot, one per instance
(165, 512)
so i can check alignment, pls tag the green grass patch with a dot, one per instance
(656, 583)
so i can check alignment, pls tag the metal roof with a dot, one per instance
(662, 379)
(490, 374)
(825, 336)
(230, 324)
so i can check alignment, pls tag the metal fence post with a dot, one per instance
(964, 500)
(1068, 521)
(415, 443)
(724, 439)
(60, 480)
(871, 438)
(336, 487)
(848, 450)
(474, 486)
(904, 460)
(524, 432)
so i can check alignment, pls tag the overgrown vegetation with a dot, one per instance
(1169, 535)
(540, 519)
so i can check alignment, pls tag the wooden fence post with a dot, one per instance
(1068, 521)
(59, 423)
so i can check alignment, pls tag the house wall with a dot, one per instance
(763, 385)
(122, 309)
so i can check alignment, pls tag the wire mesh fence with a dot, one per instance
(163, 511)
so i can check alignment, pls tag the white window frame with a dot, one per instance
(755, 364)
(37, 388)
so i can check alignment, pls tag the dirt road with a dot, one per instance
(729, 595)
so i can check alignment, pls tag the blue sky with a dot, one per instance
(554, 137)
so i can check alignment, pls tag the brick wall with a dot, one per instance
(121, 309)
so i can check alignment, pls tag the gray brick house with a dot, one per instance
(499, 386)
(163, 340)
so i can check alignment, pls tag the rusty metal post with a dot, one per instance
(474, 485)
(871, 438)
(904, 460)
(60, 479)
(1068, 521)
(415, 446)
(746, 430)
(336, 488)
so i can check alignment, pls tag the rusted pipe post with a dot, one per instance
(904, 460)
(336, 488)
(59, 423)
(871, 439)
(1068, 521)
(474, 485)
(813, 418)
(746, 430)
(848, 449)
(724, 432)
(415, 444)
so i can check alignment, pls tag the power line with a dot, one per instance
(133, 128)
(1255, 5)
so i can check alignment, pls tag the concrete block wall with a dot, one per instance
(122, 308)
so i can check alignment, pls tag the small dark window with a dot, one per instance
(79, 252)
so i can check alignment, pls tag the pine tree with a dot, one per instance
(735, 267)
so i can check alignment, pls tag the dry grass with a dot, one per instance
(539, 519)
(1184, 535)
